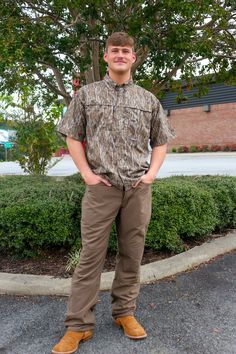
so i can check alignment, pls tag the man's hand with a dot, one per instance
(78, 155)
(148, 178)
(157, 158)
(92, 179)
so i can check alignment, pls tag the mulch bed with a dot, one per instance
(54, 263)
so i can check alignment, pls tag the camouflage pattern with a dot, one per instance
(118, 122)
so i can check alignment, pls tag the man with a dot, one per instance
(117, 118)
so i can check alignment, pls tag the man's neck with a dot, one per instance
(119, 79)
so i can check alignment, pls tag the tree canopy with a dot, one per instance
(46, 44)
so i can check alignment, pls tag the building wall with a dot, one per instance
(193, 126)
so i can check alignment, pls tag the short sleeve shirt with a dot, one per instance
(118, 122)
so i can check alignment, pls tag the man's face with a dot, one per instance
(119, 59)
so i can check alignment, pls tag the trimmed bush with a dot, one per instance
(37, 213)
(180, 210)
(205, 148)
(44, 212)
(183, 149)
(216, 148)
(194, 148)
(223, 190)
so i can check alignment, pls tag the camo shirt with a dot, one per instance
(117, 122)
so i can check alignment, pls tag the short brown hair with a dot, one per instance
(120, 39)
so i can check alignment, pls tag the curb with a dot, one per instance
(23, 284)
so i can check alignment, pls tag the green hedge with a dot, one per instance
(180, 210)
(223, 190)
(39, 213)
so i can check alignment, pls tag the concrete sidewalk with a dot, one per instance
(21, 284)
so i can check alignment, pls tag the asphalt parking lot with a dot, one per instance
(191, 313)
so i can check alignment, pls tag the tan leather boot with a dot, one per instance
(131, 327)
(70, 342)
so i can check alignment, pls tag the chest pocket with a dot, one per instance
(136, 121)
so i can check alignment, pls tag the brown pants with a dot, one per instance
(101, 205)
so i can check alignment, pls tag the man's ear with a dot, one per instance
(134, 57)
(105, 56)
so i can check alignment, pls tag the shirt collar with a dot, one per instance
(114, 84)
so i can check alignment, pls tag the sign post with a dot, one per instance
(7, 145)
(5, 136)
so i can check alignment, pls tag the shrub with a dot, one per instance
(180, 149)
(35, 140)
(180, 210)
(42, 212)
(196, 148)
(186, 149)
(205, 148)
(216, 148)
(174, 149)
(223, 190)
(183, 149)
(76, 178)
(193, 148)
(232, 147)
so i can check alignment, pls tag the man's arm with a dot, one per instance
(78, 155)
(157, 158)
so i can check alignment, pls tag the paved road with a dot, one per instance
(199, 164)
(193, 313)
(175, 164)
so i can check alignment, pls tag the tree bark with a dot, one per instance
(95, 60)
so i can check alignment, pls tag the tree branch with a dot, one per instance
(66, 96)
(225, 56)
(159, 85)
(74, 22)
(206, 25)
(141, 54)
(46, 15)
(58, 76)
(73, 12)
(232, 37)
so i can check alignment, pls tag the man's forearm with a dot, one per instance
(78, 155)
(157, 157)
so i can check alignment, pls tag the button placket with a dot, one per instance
(121, 136)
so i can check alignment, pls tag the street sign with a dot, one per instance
(8, 144)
